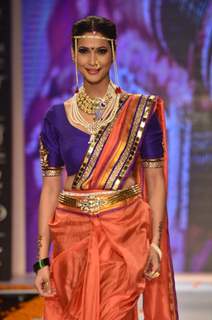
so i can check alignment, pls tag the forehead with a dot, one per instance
(93, 41)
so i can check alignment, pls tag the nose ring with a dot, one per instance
(97, 65)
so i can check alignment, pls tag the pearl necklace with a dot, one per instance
(93, 127)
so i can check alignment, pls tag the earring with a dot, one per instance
(76, 66)
(118, 89)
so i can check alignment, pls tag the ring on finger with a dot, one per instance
(149, 274)
(45, 283)
(153, 275)
(156, 274)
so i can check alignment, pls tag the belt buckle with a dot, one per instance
(91, 204)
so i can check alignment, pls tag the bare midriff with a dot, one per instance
(130, 181)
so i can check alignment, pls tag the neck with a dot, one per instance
(96, 89)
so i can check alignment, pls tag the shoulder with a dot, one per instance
(150, 97)
(151, 103)
(143, 100)
(54, 113)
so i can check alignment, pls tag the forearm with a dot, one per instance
(157, 201)
(47, 205)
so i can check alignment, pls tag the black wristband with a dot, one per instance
(40, 264)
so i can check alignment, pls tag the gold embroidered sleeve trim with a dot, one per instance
(52, 172)
(43, 155)
(152, 163)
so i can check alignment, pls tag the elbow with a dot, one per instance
(51, 185)
(155, 181)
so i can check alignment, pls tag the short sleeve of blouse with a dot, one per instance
(152, 146)
(50, 156)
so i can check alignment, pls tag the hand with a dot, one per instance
(42, 283)
(152, 269)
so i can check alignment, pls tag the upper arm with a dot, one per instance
(50, 156)
(152, 145)
(155, 182)
(52, 185)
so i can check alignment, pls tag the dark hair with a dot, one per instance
(94, 23)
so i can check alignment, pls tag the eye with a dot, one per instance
(102, 51)
(83, 50)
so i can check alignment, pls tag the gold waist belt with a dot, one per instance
(93, 202)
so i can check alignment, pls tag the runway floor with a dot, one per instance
(194, 294)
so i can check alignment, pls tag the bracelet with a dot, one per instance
(40, 264)
(157, 249)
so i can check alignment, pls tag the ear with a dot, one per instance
(72, 54)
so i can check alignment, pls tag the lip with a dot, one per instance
(93, 71)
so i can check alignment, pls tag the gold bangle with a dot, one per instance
(157, 249)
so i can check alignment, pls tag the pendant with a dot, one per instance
(100, 109)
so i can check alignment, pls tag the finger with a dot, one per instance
(152, 268)
(46, 294)
(149, 265)
(156, 267)
(156, 275)
(43, 290)
(148, 269)
(39, 288)
(149, 274)
(47, 288)
(152, 275)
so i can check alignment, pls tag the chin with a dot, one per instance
(95, 80)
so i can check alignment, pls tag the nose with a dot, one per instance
(92, 58)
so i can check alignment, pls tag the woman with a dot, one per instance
(108, 227)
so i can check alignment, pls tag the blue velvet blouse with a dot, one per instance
(62, 144)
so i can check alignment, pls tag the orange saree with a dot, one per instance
(100, 248)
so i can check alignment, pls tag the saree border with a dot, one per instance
(126, 160)
(118, 146)
(94, 150)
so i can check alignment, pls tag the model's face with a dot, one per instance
(94, 58)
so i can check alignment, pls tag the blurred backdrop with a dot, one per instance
(164, 48)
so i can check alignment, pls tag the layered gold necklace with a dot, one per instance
(92, 105)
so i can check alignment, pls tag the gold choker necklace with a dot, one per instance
(92, 105)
